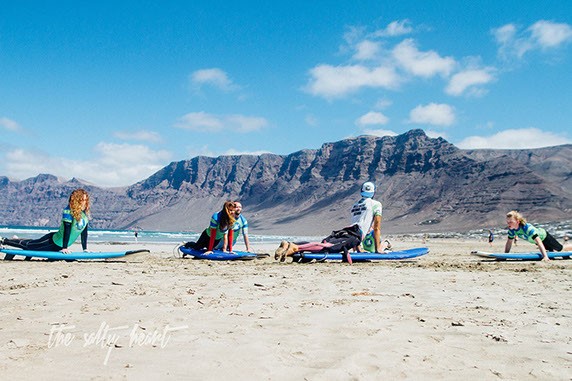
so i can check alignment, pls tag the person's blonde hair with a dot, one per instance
(76, 198)
(517, 216)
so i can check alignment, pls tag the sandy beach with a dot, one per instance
(444, 316)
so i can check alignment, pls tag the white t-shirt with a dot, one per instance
(363, 213)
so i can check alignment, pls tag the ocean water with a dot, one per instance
(144, 236)
(557, 229)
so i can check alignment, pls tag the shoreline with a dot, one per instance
(557, 228)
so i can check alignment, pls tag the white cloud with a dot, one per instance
(206, 151)
(366, 50)
(548, 34)
(337, 81)
(542, 35)
(201, 151)
(434, 114)
(422, 64)
(379, 132)
(372, 118)
(383, 104)
(114, 165)
(469, 80)
(435, 134)
(514, 139)
(235, 152)
(353, 34)
(200, 121)
(214, 77)
(379, 67)
(505, 33)
(243, 123)
(142, 135)
(9, 124)
(204, 122)
(311, 120)
(395, 28)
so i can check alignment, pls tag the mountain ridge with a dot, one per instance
(424, 184)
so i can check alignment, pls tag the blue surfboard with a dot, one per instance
(533, 256)
(362, 257)
(218, 255)
(10, 253)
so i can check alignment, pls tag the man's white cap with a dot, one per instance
(368, 189)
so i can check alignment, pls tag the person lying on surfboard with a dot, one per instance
(365, 216)
(518, 227)
(75, 220)
(220, 228)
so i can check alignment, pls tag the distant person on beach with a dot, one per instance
(518, 227)
(220, 228)
(75, 220)
(491, 238)
(365, 217)
(240, 227)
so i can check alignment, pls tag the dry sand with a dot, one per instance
(447, 316)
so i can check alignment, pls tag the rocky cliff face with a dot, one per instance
(424, 184)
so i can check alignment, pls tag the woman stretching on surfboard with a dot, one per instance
(240, 227)
(518, 227)
(366, 217)
(74, 223)
(221, 224)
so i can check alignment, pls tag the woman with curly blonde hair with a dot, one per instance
(75, 219)
(518, 227)
(220, 228)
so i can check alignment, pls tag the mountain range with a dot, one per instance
(425, 185)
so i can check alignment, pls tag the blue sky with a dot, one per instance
(112, 91)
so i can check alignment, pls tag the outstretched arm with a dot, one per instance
(246, 242)
(230, 239)
(224, 242)
(84, 238)
(542, 248)
(212, 239)
(66, 238)
(377, 234)
(508, 245)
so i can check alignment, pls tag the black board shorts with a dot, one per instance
(551, 244)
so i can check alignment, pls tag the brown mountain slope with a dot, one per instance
(424, 184)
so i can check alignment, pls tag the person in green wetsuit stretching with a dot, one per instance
(518, 227)
(75, 220)
(220, 228)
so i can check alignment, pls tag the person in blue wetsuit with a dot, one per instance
(75, 221)
(219, 229)
(240, 227)
(518, 227)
